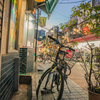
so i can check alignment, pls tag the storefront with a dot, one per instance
(9, 51)
(90, 38)
(27, 50)
(83, 46)
(29, 30)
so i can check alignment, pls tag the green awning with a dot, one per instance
(48, 6)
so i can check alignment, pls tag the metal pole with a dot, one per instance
(27, 29)
(93, 3)
(36, 34)
(57, 32)
(61, 37)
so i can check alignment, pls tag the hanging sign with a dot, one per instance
(42, 21)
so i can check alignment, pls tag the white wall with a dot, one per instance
(96, 43)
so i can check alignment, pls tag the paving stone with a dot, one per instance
(77, 93)
(66, 99)
(86, 99)
(34, 98)
(80, 98)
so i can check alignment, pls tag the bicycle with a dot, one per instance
(51, 83)
(40, 58)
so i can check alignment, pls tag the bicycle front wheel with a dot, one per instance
(51, 85)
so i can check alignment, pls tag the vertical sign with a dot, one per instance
(12, 30)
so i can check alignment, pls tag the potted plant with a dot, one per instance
(90, 16)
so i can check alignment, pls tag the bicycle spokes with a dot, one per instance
(50, 86)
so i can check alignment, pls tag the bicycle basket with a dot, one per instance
(71, 58)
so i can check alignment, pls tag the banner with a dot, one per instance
(85, 30)
(42, 21)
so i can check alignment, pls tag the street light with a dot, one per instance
(39, 0)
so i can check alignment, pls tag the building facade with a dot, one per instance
(11, 40)
(74, 34)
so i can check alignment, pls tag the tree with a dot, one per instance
(91, 16)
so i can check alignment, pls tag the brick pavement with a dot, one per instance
(77, 75)
(77, 92)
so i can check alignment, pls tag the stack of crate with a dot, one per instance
(23, 60)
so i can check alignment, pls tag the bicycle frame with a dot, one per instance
(54, 66)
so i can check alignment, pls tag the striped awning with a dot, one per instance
(88, 37)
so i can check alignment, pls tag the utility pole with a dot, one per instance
(57, 32)
(36, 34)
(93, 3)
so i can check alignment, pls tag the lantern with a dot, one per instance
(39, 0)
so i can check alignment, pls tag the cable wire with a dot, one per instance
(64, 3)
(70, 2)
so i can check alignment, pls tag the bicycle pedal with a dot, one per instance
(43, 92)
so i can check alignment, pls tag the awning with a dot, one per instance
(88, 37)
(48, 6)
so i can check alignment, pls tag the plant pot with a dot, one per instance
(93, 96)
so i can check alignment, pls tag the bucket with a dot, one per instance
(93, 96)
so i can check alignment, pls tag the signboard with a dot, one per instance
(85, 30)
(42, 21)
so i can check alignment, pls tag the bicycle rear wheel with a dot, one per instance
(51, 85)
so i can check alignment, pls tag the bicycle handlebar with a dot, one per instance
(54, 39)
(60, 43)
